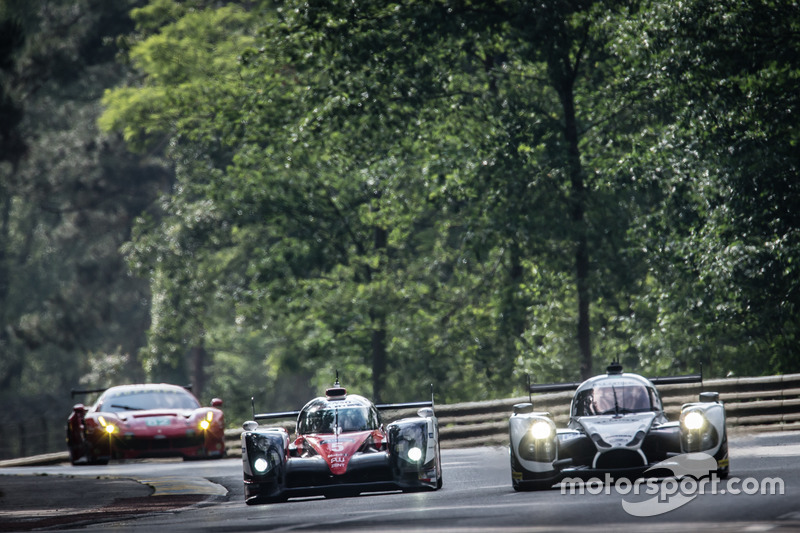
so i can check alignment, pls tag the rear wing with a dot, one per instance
(552, 387)
(409, 405)
(678, 380)
(614, 368)
(274, 416)
(81, 392)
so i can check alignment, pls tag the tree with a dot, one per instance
(728, 77)
(439, 189)
(68, 194)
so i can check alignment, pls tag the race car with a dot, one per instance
(341, 448)
(617, 426)
(144, 420)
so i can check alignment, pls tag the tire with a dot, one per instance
(528, 485)
(91, 460)
(533, 486)
(265, 501)
(341, 493)
(439, 464)
(722, 473)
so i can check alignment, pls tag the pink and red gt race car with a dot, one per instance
(145, 420)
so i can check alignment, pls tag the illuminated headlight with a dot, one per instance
(109, 428)
(206, 422)
(260, 465)
(541, 430)
(694, 420)
(414, 454)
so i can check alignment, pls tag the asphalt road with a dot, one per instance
(180, 496)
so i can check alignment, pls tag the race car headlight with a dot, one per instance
(206, 422)
(109, 428)
(414, 454)
(541, 430)
(694, 420)
(260, 465)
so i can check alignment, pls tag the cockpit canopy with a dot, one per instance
(615, 396)
(323, 415)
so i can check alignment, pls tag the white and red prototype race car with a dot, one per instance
(341, 448)
(617, 425)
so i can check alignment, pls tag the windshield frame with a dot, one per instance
(322, 416)
(130, 400)
(615, 398)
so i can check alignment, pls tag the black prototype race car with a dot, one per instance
(617, 425)
(342, 448)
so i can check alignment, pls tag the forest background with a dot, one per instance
(250, 195)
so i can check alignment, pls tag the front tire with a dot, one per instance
(532, 486)
(529, 484)
(722, 473)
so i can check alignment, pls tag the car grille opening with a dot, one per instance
(613, 459)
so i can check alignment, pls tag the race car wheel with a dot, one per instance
(530, 486)
(722, 473)
(341, 493)
(439, 465)
(92, 460)
(264, 500)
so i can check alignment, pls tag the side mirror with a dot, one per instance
(709, 397)
(79, 408)
(250, 425)
(425, 412)
(523, 408)
(216, 402)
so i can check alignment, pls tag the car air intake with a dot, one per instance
(613, 459)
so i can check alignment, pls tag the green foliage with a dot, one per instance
(402, 191)
(68, 195)
(417, 192)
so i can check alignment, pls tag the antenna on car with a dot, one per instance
(530, 394)
(614, 368)
(337, 392)
(253, 406)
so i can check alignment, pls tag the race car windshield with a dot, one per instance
(614, 399)
(147, 399)
(347, 419)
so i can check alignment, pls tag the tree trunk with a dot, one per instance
(578, 196)
(378, 355)
(198, 357)
(378, 323)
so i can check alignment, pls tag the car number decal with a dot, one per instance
(158, 421)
